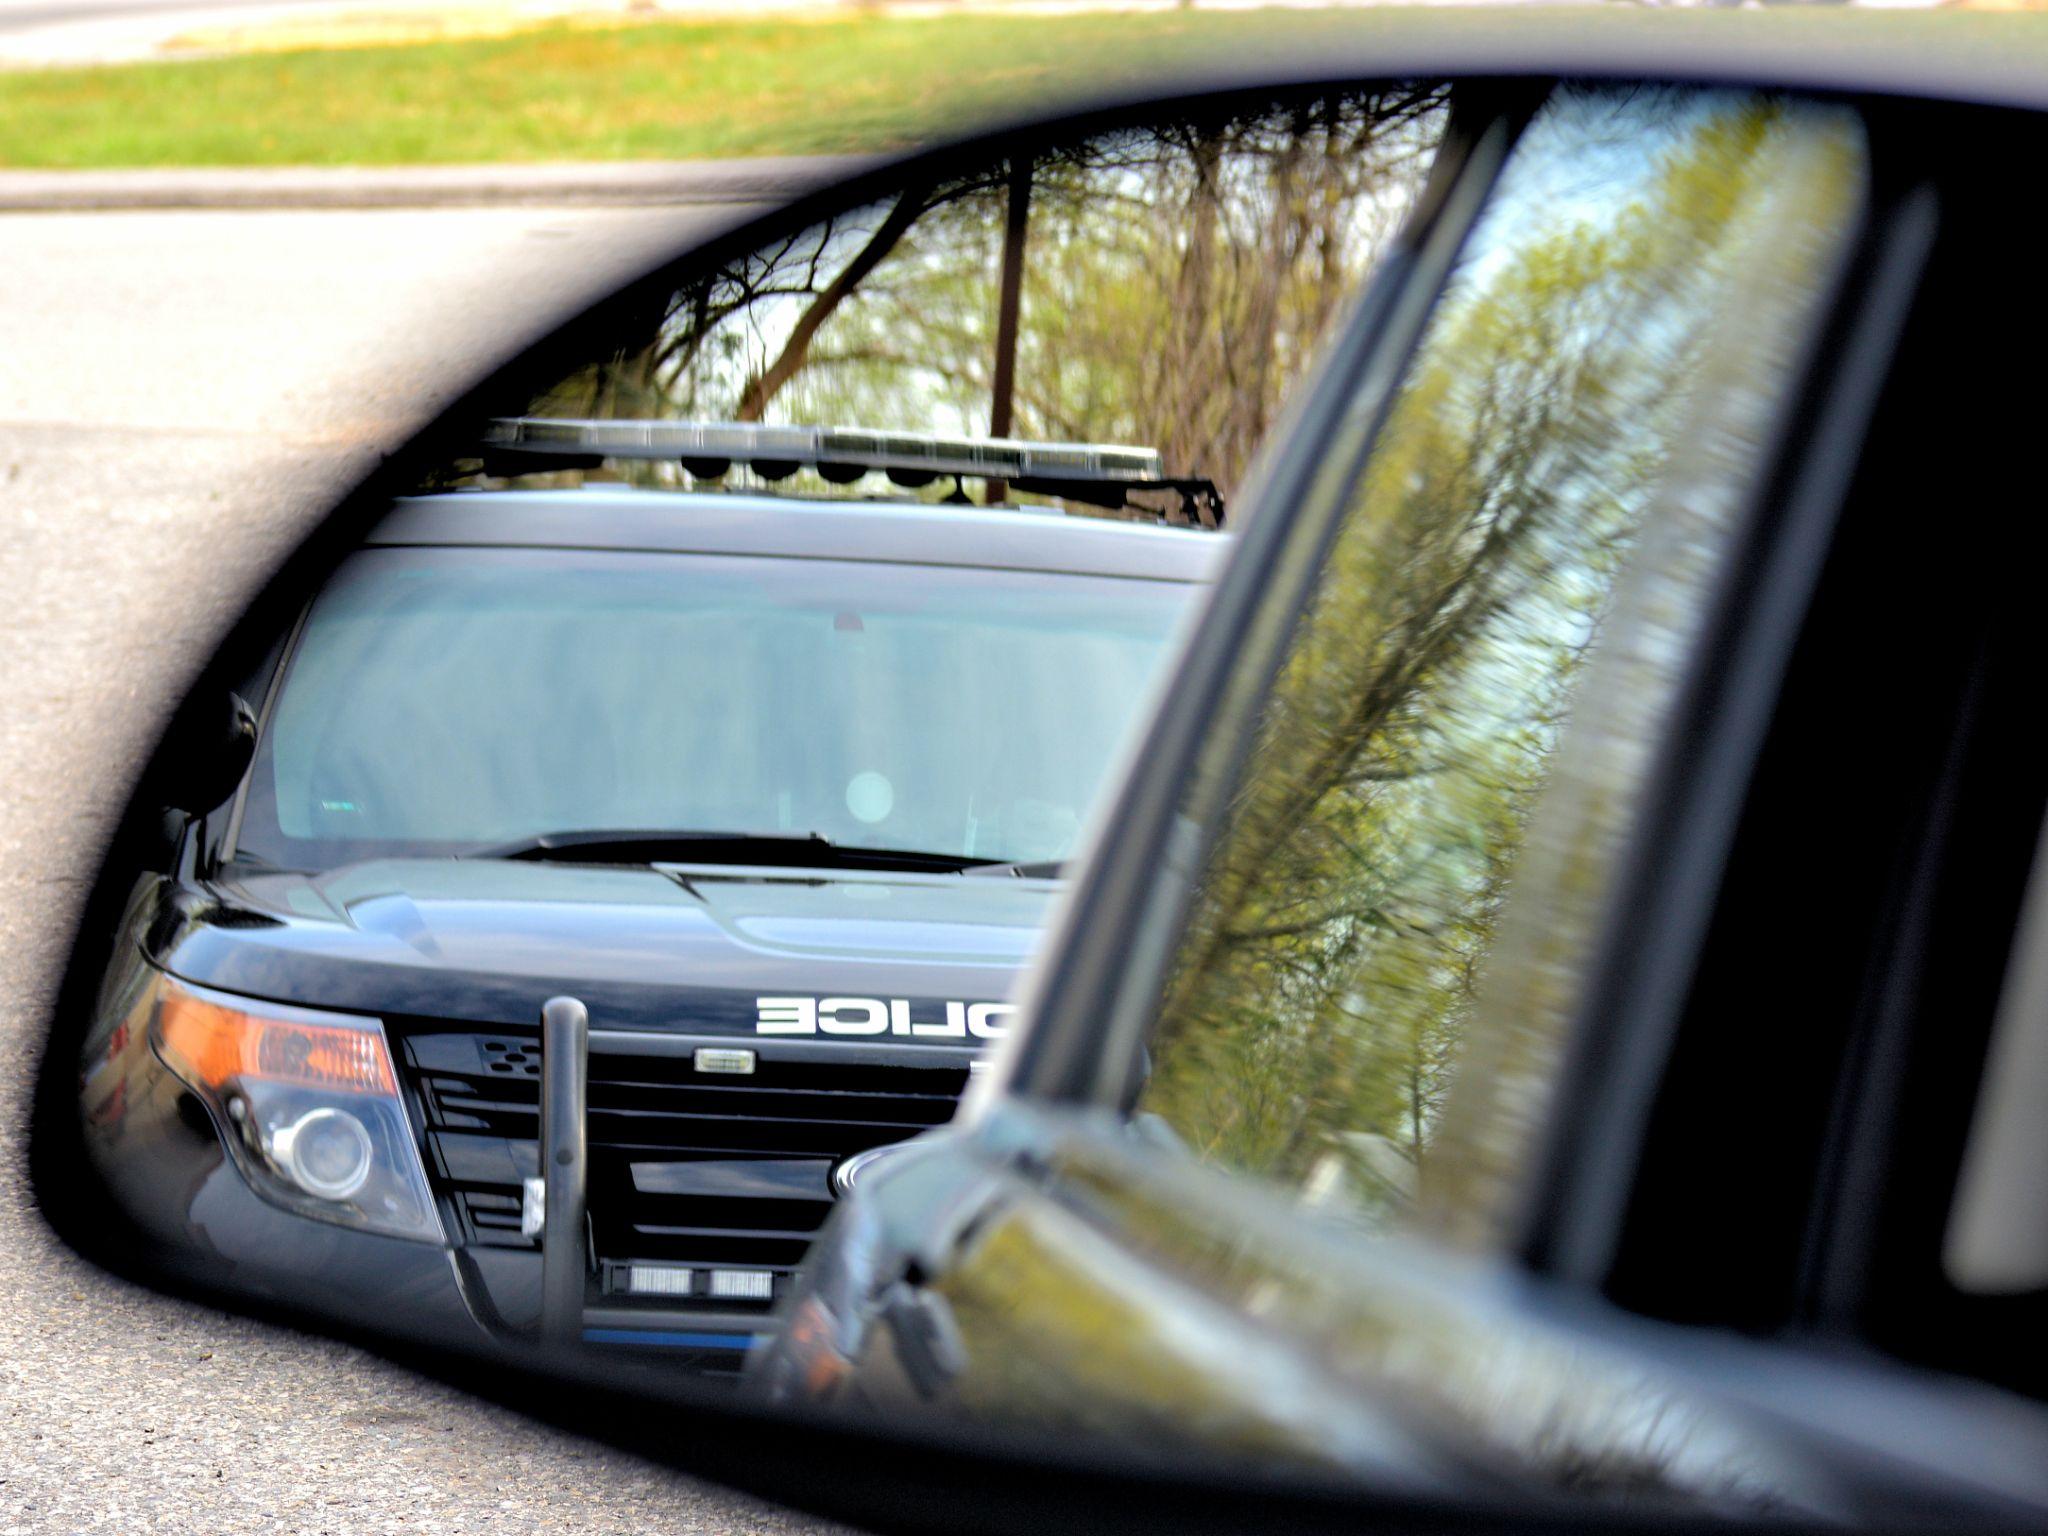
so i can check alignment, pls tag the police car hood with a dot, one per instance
(686, 948)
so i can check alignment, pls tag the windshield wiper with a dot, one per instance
(1029, 869)
(791, 850)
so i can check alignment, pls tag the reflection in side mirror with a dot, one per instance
(746, 682)
(739, 697)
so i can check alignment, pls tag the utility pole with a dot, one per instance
(1003, 389)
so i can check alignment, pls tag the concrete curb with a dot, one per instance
(629, 184)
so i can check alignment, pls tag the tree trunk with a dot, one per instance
(1003, 386)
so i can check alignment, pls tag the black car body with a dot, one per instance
(761, 1008)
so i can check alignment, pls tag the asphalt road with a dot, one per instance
(32, 15)
(180, 396)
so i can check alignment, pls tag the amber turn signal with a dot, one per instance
(214, 1044)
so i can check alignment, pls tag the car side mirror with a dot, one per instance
(206, 752)
(1038, 368)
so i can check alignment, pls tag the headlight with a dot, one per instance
(308, 1104)
(327, 1152)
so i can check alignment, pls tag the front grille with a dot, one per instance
(688, 1169)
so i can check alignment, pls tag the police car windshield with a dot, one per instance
(449, 701)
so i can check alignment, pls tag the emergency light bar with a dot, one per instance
(1097, 473)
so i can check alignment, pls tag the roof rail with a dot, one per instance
(1099, 474)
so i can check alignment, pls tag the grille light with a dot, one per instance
(743, 1284)
(711, 1058)
(658, 1280)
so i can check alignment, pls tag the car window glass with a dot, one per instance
(1392, 928)
(442, 700)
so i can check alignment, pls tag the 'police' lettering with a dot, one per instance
(982, 1017)
(836, 1016)
(880, 1016)
(786, 1015)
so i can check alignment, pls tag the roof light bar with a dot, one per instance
(1098, 473)
(745, 442)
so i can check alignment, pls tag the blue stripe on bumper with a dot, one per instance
(664, 1339)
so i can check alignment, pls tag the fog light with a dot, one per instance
(326, 1152)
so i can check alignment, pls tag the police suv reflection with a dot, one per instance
(865, 735)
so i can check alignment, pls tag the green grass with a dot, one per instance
(655, 91)
(681, 90)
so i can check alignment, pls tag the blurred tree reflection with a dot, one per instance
(1343, 923)
(1176, 279)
